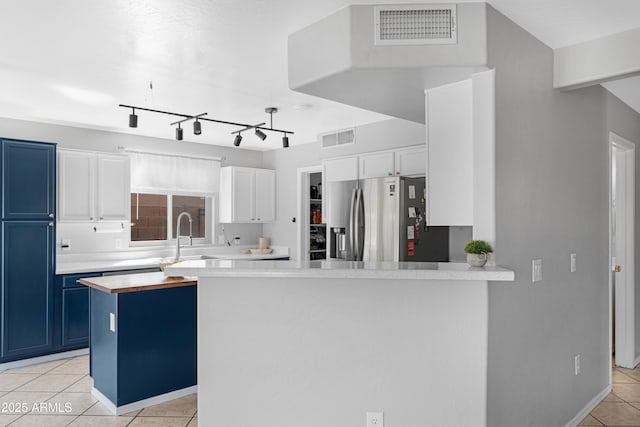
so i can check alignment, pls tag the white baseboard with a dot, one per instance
(141, 404)
(43, 359)
(590, 406)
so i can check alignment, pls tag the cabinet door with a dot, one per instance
(28, 173)
(76, 195)
(75, 317)
(344, 169)
(376, 165)
(265, 190)
(27, 288)
(449, 128)
(243, 195)
(411, 161)
(114, 188)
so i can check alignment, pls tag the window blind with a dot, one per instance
(161, 173)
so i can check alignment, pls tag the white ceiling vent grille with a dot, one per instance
(335, 139)
(413, 24)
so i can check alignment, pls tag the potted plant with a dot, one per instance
(477, 252)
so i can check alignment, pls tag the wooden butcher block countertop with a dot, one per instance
(136, 282)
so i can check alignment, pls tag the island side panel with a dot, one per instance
(103, 343)
(156, 342)
(324, 352)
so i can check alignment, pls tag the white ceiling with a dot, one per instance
(72, 62)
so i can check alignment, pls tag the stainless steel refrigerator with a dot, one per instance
(383, 219)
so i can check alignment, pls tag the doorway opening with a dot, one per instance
(312, 229)
(621, 250)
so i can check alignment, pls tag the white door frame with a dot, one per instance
(303, 209)
(625, 294)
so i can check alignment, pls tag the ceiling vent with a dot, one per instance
(335, 139)
(415, 25)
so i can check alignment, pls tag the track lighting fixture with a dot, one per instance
(133, 119)
(197, 124)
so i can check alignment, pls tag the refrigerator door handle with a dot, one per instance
(352, 226)
(359, 225)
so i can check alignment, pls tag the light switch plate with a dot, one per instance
(536, 270)
(573, 263)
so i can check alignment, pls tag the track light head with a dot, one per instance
(179, 133)
(237, 140)
(133, 119)
(261, 134)
(285, 141)
(197, 127)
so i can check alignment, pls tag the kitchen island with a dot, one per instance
(324, 342)
(143, 339)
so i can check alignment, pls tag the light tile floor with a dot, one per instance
(622, 406)
(59, 394)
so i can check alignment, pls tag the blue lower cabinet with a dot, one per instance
(71, 325)
(27, 289)
(75, 317)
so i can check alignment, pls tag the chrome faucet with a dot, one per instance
(178, 232)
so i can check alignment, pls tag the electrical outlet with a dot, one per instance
(573, 263)
(536, 269)
(221, 240)
(576, 365)
(375, 419)
(118, 243)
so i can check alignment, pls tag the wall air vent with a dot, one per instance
(415, 25)
(338, 138)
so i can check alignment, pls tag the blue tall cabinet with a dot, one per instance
(27, 234)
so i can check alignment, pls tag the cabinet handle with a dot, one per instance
(50, 215)
(101, 218)
(50, 224)
(397, 173)
(90, 218)
(258, 219)
(390, 174)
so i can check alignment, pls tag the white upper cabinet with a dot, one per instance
(411, 161)
(341, 169)
(76, 188)
(114, 188)
(265, 195)
(247, 195)
(92, 186)
(449, 127)
(376, 165)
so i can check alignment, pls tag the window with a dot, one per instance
(153, 216)
(163, 186)
(148, 217)
(195, 206)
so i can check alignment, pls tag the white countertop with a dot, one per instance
(338, 269)
(117, 261)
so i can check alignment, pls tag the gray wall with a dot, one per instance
(551, 200)
(383, 135)
(626, 123)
